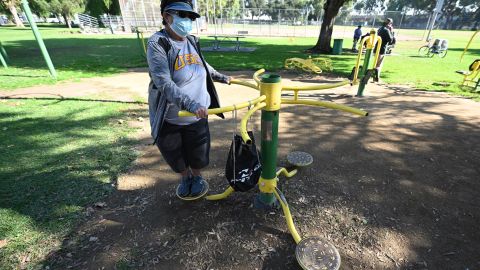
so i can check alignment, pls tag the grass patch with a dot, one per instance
(79, 56)
(73, 55)
(57, 157)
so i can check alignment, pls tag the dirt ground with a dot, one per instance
(395, 190)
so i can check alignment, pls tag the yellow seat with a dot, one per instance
(314, 65)
(471, 76)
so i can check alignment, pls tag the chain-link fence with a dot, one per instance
(143, 14)
(259, 22)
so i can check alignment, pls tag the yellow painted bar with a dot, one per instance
(315, 86)
(295, 94)
(267, 185)
(377, 53)
(326, 104)
(227, 108)
(372, 39)
(273, 91)
(256, 74)
(243, 123)
(221, 196)
(288, 218)
(244, 83)
(359, 58)
(143, 43)
(468, 45)
(287, 173)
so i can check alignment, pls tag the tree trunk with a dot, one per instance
(67, 21)
(331, 8)
(13, 10)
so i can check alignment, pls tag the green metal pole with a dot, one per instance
(140, 43)
(363, 72)
(39, 39)
(3, 52)
(269, 152)
(4, 63)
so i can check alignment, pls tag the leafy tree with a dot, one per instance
(67, 8)
(99, 7)
(331, 8)
(96, 7)
(11, 6)
(256, 7)
(40, 7)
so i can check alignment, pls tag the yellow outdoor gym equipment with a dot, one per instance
(468, 45)
(471, 76)
(311, 252)
(362, 74)
(315, 65)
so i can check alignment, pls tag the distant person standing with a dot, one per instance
(386, 33)
(357, 34)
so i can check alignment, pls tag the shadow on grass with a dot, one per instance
(61, 99)
(410, 170)
(107, 55)
(57, 158)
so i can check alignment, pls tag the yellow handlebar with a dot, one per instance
(227, 108)
(244, 83)
(326, 104)
(468, 45)
(243, 123)
(316, 86)
(256, 74)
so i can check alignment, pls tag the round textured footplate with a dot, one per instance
(299, 159)
(314, 253)
(190, 198)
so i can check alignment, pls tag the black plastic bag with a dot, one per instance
(244, 159)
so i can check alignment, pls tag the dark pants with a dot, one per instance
(355, 40)
(185, 146)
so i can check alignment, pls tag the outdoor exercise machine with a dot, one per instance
(362, 74)
(472, 75)
(141, 43)
(315, 65)
(311, 252)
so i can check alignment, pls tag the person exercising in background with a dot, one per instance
(357, 34)
(386, 33)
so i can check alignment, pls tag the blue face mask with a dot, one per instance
(181, 26)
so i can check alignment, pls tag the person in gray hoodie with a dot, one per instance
(181, 79)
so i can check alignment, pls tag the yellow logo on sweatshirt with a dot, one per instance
(187, 59)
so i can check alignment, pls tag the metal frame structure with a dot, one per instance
(270, 102)
(366, 73)
(38, 37)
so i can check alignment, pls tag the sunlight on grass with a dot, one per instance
(57, 157)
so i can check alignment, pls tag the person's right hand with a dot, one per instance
(201, 112)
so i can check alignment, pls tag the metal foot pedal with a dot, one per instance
(316, 253)
(299, 159)
(192, 198)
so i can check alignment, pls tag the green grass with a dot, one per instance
(79, 56)
(57, 158)
(73, 55)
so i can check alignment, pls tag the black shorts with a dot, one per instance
(185, 146)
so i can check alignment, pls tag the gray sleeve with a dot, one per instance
(217, 76)
(160, 73)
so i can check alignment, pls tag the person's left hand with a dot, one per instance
(229, 79)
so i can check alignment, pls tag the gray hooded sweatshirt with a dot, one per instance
(161, 56)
